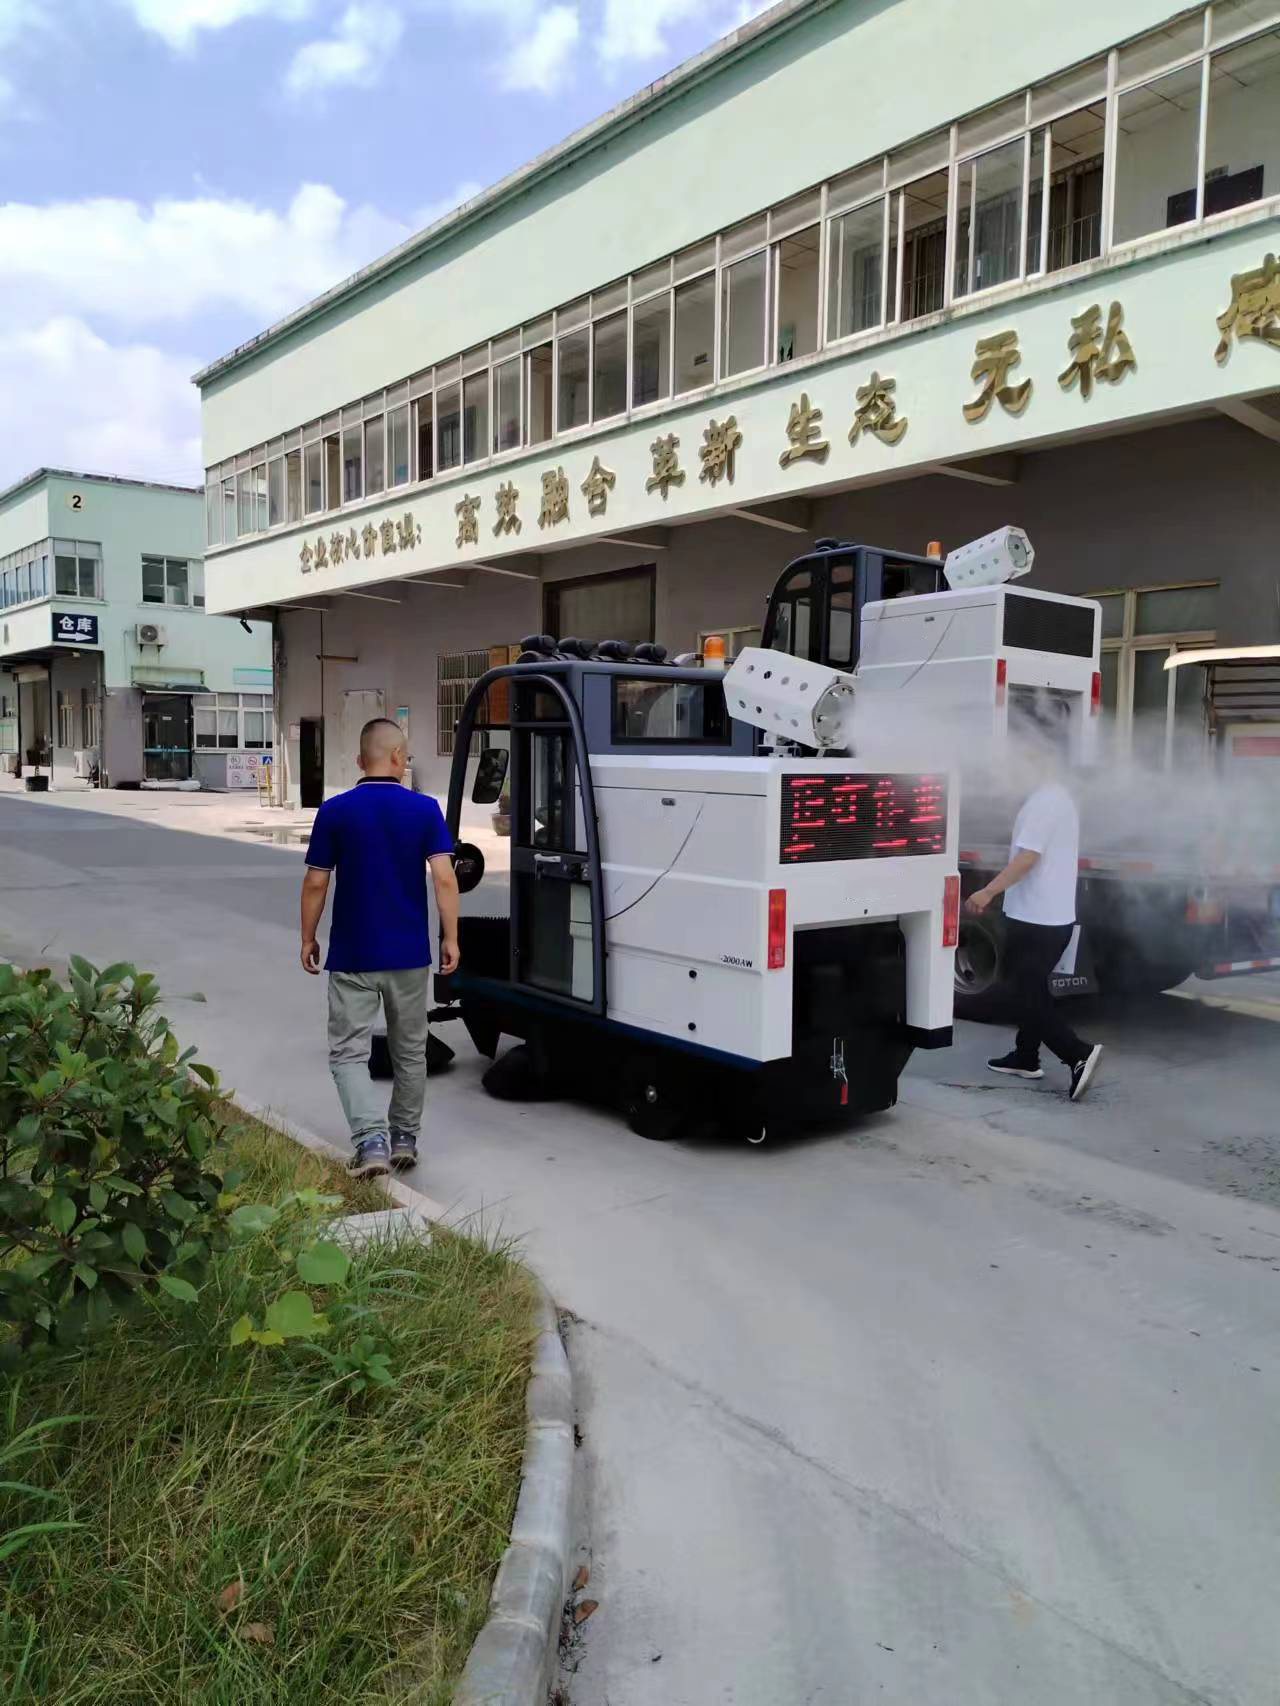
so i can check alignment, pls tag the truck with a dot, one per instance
(1162, 894)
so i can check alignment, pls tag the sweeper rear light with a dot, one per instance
(777, 929)
(950, 911)
(1095, 693)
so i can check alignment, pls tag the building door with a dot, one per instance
(166, 737)
(311, 761)
(602, 607)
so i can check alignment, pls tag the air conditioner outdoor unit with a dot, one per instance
(150, 634)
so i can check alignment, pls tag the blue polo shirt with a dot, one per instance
(377, 837)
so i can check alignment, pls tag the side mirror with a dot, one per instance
(468, 866)
(491, 773)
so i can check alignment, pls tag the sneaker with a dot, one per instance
(372, 1157)
(404, 1150)
(1016, 1066)
(1083, 1070)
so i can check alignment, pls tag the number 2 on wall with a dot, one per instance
(76, 500)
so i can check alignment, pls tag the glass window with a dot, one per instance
(228, 725)
(681, 711)
(506, 405)
(423, 416)
(989, 219)
(258, 480)
(475, 416)
(1232, 16)
(1157, 148)
(1177, 610)
(855, 288)
(1035, 200)
(24, 582)
(255, 729)
(651, 351)
(1075, 192)
(572, 393)
(449, 427)
(206, 719)
(87, 563)
(66, 579)
(375, 465)
(1112, 615)
(742, 295)
(1244, 97)
(796, 293)
(177, 587)
(212, 514)
(398, 444)
(695, 334)
(332, 470)
(609, 375)
(538, 394)
(275, 491)
(315, 477)
(228, 511)
(1161, 47)
(352, 466)
(152, 580)
(924, 246)
(244, 503)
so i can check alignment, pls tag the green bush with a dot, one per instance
(104, 1133)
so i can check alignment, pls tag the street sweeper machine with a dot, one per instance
(731, 907)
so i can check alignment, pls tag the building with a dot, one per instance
(110, 664)
(812, 283)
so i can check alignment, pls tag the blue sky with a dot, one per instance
(179, 173)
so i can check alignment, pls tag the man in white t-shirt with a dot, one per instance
(1039, 886)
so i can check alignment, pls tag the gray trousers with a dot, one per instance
(354, 999)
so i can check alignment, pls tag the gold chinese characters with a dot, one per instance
(1254, 308)
(1097, 354)
(995, 358)
(720, 444)
(467, 511)
(506, 498)
(877, 411)
(667, 471)
(802, 434)
(555, 498)
(597, 486)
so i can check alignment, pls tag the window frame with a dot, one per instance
(1128, 643)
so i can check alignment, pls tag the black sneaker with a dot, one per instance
(404, 1150)
(372, 1157)
(1082, 1072)
(1015, 1065)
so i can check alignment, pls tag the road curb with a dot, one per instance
(512, 1659)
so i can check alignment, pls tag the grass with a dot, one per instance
(362, 1530)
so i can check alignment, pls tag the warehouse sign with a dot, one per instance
(75, 630)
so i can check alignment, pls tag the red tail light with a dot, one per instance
(1095, 693)
(1002, 679)
(950, 911)
(777, 929)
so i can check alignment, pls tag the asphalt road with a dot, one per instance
(975, 1404)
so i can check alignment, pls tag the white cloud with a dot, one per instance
(137, 263)
(179, 22)
(127, 409)
(367, 34)
(541, 60)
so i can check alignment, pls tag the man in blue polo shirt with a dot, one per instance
(380, 838)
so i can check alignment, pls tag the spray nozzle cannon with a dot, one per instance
(997, 557)
(790, 698)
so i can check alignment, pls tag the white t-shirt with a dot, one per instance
(1049, 825)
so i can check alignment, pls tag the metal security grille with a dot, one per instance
(456, 674)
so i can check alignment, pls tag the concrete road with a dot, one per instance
(975, 1405)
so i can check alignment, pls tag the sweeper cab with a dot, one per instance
(720, 915)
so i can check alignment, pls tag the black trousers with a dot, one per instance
(1031, 952)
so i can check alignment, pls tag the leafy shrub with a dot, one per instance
(104, 1133)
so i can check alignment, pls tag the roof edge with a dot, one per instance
(747, 38)
(39, 474)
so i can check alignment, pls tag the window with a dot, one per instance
(1244, 87)
(989, 245)
(923, 255)
(1159, 713)
(539, 393)
(352, 466)
(609, 369)
(1157, 149)
(229, 511)
(855, 291)
(275, 491)
(172, 581)
(795, 294)
(1074, 214)
(88, 718)
(398, 444)
(332, 445)
(315, 477)
(449, 427)
(77, 570)
(66, 720)
(683, 711)
(244, 503)
(506, 405)
(212, 513)
(424, 433)
(375, 465)
(475, 417)
(233, 722)
(258, 487)
(742, 315)
(65, 576)
(573, 405)
(456, 674)
(695, 333)
(651, 351)
(617, 606)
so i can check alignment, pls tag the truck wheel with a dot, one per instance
(651, 1105)
(979, 968)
